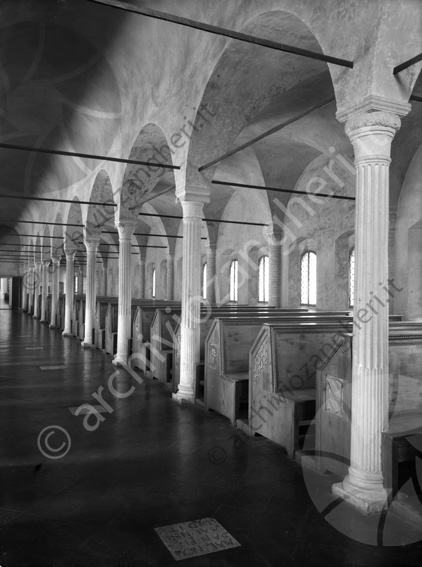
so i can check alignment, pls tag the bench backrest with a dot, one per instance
(334, 391)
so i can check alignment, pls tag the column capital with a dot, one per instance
(55, 259)
(374, 103)
(373, 121)
(70, 255)
(126, 228)
(194, 194)
(274, 234)
(69, 248)
(211, 246)
(371, 134)
(192, 210)
(91, 242)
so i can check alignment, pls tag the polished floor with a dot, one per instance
(151, 463)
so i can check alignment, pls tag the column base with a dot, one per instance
(44, 321)
(84, 344)
(365, 501)
(51, 326)
(35, 317)
(119, 360)
(67, 334)
(183, 398)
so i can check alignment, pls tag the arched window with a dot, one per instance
(234, 266)
(263, 279)
(204, 281)
(308, 278)
(352, 278)
(153, 283)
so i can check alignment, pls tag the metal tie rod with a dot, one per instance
(87, 156)
(222, 31)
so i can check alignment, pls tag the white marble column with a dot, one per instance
(44, 290)
(274, 267)
(126, 228)
(211, 272)
(54, 289)
(91, 242)
(30, 285)
(191, 300)
(371, 135)
(69, 289)
(142, 275)
(80, 289)
(170, 276)
(24, 291)
(37, 280)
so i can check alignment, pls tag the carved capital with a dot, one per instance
(55, 259)
(193, 210)
(373, 120)
(126, 228)
(91, 243)
(371, 134)
(274, 235)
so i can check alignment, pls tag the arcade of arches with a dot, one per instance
(202, 173)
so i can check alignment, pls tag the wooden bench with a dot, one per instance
(208, 314)
(227, 354)
(162, 340)
(282, 380)
(334, 399)
(141, 332)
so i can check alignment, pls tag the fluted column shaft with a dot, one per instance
(80, 289)
(126, 229)
(69, 291)
(44, 290)
(25, 291)
(170, 277)
(142, 277)
(371, 135)
(54, 290)
(91, 244)
(30, 286)
(211, 273)
(191, 299)
(37, 280)
(274, 268)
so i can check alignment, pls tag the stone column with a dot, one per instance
(30, 286)
(274, 267)
(170, 276)
(142, 275)
(54, 289)
(44, 291)
(69, 289)
(37, 280)
(371, 135)
(80, 289)
(211, 272)
(126, 228)
(24, 291)
(191, 300)
(91, 244)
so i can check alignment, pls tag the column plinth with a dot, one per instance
(371, 135)
(191, 300)
(126, 229)
(91, 244)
